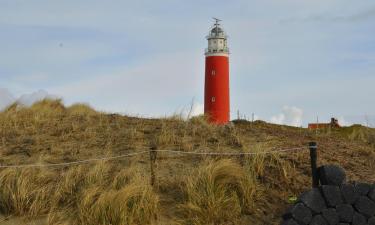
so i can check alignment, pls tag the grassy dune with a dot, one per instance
(188, 189)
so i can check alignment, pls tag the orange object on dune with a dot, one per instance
(333, 124)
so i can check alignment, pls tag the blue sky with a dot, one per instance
(291, 60)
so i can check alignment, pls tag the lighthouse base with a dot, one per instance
(216, 92)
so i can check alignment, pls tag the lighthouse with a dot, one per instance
(216, 87)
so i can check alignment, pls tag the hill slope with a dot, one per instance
(188, 189)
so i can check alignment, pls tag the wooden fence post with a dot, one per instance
(242, 158)
(313, 160)
(153, 155)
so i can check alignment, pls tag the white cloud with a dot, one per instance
(29, 99)
(365, 120)
(164, 86)
(188, 111)
(291, 115)
(6, 98)
(278, 119)
(343, 122)
(197, 109)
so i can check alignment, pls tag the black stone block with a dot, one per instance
(313, 199)
(359, 219)
(362, 188)
(332, 195)
(288, 213)
(289, 222)
(371, 221)
(301, 214)
(371, 194)
(365, 206)
(318, 220)
(331, 175)
(331, 216)
(345, 212)
(343, 224)
(349, 194)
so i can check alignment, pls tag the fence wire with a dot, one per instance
(86, 161)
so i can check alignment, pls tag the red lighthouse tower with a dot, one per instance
(216, 89)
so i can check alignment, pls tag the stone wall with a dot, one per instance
(334, 202)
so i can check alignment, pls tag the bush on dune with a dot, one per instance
(217, 193)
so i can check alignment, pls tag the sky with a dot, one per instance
(291, 61)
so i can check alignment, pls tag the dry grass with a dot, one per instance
(261, 164)
(104, 194)
(217, 193)
(189, 189)
(133, 204)
(360, 133)
(26, 192)
(81, 109)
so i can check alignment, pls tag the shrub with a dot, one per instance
(217, 193)
(26, 191)
(133, 204)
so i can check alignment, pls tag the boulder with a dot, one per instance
(331, 216)
(349, 194)
(331, 175)
(362, 188)
(318, 220)
(371, 194)
(301, 214)
(313, 199)
(288, 214)
(365, 206)
(289, 222)
(371, 221)
(332, 195)
(345, 212)
(359, 219)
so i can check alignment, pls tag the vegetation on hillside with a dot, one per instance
(188, 189)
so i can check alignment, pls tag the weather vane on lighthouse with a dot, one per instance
(216, 21)
(216, 88)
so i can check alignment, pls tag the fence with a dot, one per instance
(154, 152)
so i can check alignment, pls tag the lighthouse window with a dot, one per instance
(213, 99)
(213, 72)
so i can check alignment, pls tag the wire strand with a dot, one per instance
(148, 151)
